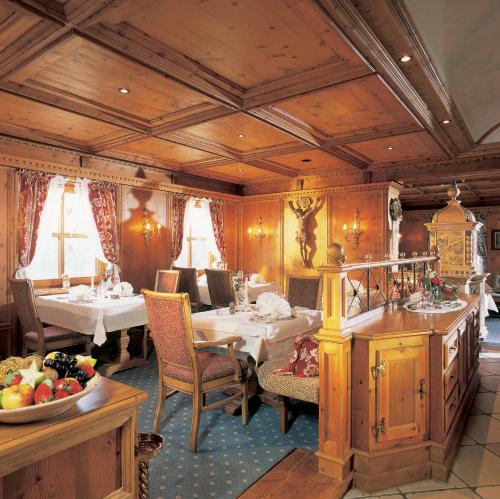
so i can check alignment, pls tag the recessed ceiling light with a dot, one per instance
(405, 58)
(446, 122)
(124, 90)
(240, 135)
(306, 160)
(389, 148)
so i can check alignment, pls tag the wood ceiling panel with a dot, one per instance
(362, 103)
(257, 135)
(13, 25)
(240, 173)
(249, 43)
(34, 116)
(94, 75)
(317, 160)
(418, 146)
(164, 152)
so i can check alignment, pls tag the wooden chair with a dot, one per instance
(304, 291)
(220, 287)
(184, 367)
(188, 284)
(36, 337)
(167, 281)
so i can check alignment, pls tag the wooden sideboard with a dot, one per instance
(85, 453)
(414, 377)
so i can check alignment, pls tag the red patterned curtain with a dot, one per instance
(102, 196)
(33, 190)
(217, 214)
(178, 210)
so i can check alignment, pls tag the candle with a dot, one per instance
(92, 281)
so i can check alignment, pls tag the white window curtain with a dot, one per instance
(198, 224)
(79, 258)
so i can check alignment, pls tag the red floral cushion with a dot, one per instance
(304, 362)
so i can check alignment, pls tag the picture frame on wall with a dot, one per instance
(495, 239)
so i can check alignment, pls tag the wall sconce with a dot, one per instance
(353, 230)
(259, 233)
(147, 229)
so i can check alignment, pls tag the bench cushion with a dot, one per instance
(306, 389)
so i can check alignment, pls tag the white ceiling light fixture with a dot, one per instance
(446, 122)
(124, 90)
(389, 148)
(405, 58)
(241, 135)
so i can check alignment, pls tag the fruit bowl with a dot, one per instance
(49, 410)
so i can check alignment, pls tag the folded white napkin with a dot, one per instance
(202, 280)
(124, 289)
(273, 305)
(79, 293)
(256, 279)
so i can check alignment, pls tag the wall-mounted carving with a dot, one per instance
(303, 209)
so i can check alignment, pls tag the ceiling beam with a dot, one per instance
(348, 18)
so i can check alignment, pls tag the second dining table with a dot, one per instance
(263, 338)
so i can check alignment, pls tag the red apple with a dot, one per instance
(14, 397)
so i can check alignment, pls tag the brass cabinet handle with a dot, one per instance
(422, 391)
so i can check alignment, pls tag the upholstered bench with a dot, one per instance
(306, 389)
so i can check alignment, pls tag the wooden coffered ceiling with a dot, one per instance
(244, 91)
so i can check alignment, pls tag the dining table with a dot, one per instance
(263, 338)
(97, 317)
(254, 290)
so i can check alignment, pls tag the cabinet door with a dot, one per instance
(401, 397)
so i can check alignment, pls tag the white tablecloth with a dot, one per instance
(261, 340)
(489, 303)
(253, 291)
(93, 318)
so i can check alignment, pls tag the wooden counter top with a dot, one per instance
(411, 323)
(24, 444)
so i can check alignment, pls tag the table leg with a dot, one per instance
(123, 361)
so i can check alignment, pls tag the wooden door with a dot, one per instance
(401, 392)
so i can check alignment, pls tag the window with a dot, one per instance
(68, 242)
(198, 247)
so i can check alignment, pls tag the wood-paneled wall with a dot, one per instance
(279, 254)
(414, 235)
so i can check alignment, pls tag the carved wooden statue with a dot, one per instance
(303, 207)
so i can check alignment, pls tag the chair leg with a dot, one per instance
(145, 343)
(244, 402)
(25, 351)
(162, 394)
(195, 420)
(283, 405)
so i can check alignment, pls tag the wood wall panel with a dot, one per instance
(265, 258)
(140, 262)
(371, 211)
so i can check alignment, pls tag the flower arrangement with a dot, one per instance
(238, 280)
(436, 288)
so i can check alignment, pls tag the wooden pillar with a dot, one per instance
(334, 448)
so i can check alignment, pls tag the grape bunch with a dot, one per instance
(66, 366)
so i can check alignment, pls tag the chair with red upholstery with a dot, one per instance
(36, 337)
(184, 366)
(167, 281)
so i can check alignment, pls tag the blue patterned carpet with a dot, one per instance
(230, 456)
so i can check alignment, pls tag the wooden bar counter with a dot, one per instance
(85, 453)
